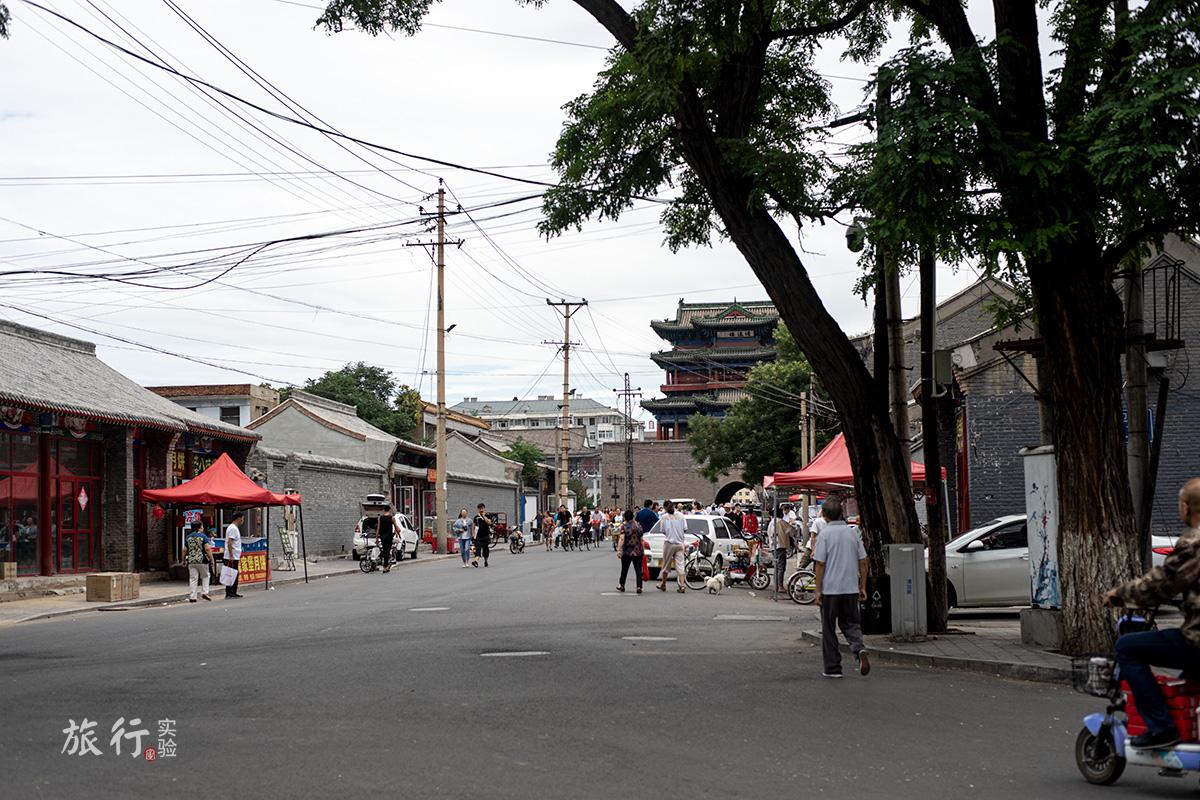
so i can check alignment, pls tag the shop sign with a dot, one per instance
(193, 515)
(253, 566)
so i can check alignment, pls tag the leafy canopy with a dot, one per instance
(760, 432)
(531, 458)
(379, 398)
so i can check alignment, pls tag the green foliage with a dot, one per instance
(762, 431)
(380, 400)
(582, 498)
(531, 458)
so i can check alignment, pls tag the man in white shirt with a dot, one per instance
(674, 530)
(233, 550)
(841, 578)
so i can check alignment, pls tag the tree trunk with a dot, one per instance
(881, 469)
(1081, 324)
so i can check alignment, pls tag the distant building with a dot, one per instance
(599, 422)
(713, 348)
(231, 403)
(456, 421)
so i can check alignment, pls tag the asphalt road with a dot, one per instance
(339, 689)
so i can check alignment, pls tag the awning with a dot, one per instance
(221, 484)
(831, 470)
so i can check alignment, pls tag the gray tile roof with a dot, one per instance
(48, 372)
(341, 415)
(489, 408)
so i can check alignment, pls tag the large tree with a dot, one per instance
(1059, 172)
(718, 100)
(762, 432)
(530, 457)
(379, 398)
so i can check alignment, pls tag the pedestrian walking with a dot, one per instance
(779, 531)
(597, 521)
(841, 579)
(233, 551)
(386, 530)
(483, 534)
(548, 532)
(629, 547)
(199, 560)
(462, 532)
(674, 530)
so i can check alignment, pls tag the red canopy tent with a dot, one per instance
(831, 470)
(223, 484)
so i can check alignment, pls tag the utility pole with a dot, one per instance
(934, 508)
(805, 457)
(567, 310)
(440, 519)
(898, 380)
(1138, 447)
(628, 394)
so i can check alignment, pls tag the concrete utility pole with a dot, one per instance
(441, 520)
(891, 279)
(806, 454)
(567, 310)
(628, 394)
(934, 507)
(1138, 448)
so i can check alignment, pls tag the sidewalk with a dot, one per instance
(991, 646)
(166, 592)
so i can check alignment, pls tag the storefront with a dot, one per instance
(78, 444)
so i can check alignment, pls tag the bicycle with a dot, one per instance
(698, 566)
(802, 587)
(516, 544)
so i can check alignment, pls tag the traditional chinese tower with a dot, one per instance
(713, 347)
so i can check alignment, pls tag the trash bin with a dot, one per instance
(877, 610)
(452, 545)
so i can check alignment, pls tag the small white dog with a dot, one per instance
(715, 583)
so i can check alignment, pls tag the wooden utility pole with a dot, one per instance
(1138, 446)
(934, 508)
(567, 310)
(805, 456)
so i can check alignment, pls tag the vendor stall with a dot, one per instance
(223, 485)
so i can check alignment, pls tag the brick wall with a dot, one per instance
(332, 491)
(667, 469)
(998, 426)
(117, 508)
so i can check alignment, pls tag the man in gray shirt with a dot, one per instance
(841, 586)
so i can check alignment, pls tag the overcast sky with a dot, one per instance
(105, 161)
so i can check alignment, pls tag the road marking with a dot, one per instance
(432, 608)
(649, 638)
(516, 654)
(615, 594)
(751, 618)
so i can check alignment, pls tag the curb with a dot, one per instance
(183, 596)
(1000, 669)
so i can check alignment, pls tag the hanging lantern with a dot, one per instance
(158, 512)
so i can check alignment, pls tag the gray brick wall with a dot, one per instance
(998, 426)
(666, 469)
(117, 509)
(468, 495)
(332, 495)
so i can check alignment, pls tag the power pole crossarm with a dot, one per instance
(628, 394)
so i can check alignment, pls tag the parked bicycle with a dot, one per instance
(698, 565)
(802, 587)
(516, 543)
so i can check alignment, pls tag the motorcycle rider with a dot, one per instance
(1174, 648)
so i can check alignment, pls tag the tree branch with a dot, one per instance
(950, 19)
(832, 26)
(1082, 50)
(615, 20)
(1112, 255)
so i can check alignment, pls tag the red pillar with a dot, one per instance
(45, 489)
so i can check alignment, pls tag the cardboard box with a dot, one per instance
(131, 585)
(104, 587)
(8, 570)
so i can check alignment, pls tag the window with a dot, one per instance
(1009, 538)
(591, 420)
(722, 530)
(231, 415)
(533, 423)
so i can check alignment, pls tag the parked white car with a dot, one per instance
(364, 532)
(989, 566)
(714, 527)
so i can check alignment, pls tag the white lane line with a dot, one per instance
(616, 594)
(432, 608)
(751, 618)
(515, 654)
(649, 638)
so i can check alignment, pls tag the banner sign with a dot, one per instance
(253, 566)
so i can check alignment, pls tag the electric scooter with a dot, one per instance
(1102, 749)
